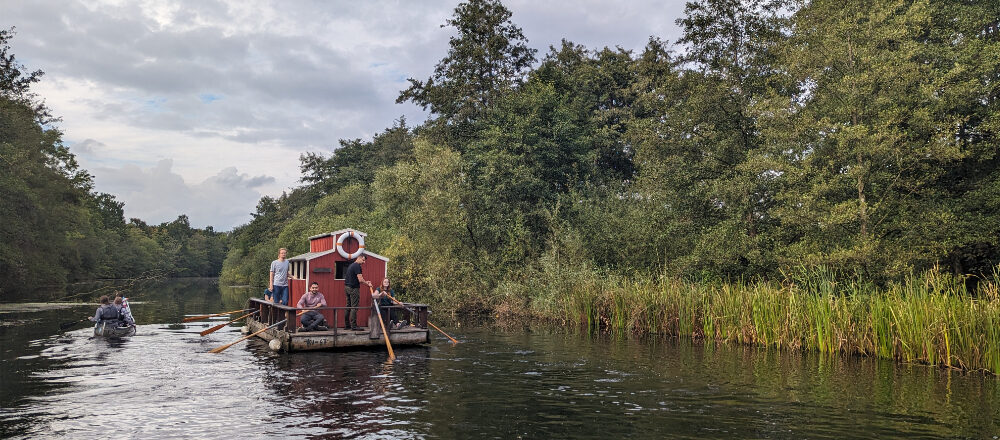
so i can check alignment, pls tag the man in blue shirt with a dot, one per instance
(278, 279)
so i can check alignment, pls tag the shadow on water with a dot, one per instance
(498, 383)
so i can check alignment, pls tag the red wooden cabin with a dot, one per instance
(325, 263)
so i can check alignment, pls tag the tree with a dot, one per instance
(485, 60)
(704, 167)
(891, 111)
(15, 81)
(356, 161)
(45, 193)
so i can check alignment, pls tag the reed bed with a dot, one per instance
(928, 318)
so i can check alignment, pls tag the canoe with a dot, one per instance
(112, 330)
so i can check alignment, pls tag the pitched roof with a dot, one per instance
(335, 233)
(311, 255)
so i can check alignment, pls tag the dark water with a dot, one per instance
(498, 383)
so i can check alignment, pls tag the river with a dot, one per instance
(498, 382)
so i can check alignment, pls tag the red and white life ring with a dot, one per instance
(340, 245)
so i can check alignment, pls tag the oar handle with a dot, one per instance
(200, 317)
(67, 325)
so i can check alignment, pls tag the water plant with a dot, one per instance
(924, 318)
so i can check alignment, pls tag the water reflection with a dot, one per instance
(498, 383)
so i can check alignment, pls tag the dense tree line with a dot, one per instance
(54, 228)
(858, 137)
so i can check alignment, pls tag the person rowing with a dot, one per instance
(107, 312)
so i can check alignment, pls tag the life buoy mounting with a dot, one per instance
(340, 244)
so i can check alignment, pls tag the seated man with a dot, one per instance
(107, 312)
(312, 320)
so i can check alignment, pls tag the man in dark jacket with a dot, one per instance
(352, 288)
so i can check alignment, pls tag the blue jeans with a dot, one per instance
(280, 294)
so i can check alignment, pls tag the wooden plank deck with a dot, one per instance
(340, 338)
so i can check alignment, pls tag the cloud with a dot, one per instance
(158, 194)
(209, 85)
(88, 147)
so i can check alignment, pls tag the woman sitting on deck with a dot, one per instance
(312, 320)
(385, 296)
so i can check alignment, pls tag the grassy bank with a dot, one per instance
(929, 318)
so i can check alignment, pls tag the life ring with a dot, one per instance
(340, 245)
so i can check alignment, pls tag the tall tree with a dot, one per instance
(886, 95)
(44, 191)
(702, 145)
(487, 58)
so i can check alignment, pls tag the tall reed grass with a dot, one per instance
(926, 318)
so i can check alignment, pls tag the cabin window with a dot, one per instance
(298, 269)
(341, 268)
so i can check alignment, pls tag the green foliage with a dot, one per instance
(929, 318)
(429, 243)
(54, 229)
(837, 148)
(878, 140)
(485, 61)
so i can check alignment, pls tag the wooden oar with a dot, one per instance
(67, 325)
(199, 318)
(220, 349)
(388, 345)
(453, 341)
(216, 328)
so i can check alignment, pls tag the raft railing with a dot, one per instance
(270, 313)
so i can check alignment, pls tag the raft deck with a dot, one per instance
(336, 338)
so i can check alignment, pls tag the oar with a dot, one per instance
(67, 325)
(220, 349)
(216, 328)
(199, 318)
(428, 322)
(388, 345)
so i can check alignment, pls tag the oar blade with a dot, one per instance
(220, 326)
(213, 329)
(69, 325)
(453, 340)
(220, 349)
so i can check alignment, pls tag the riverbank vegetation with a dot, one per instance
(927, 318)
(55, 228)
(678, 189)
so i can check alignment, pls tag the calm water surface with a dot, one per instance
(498, 383)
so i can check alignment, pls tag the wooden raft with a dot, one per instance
(335, 338)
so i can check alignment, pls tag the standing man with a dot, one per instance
(352, 288)
(278, 280)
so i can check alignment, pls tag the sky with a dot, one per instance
(200, 107)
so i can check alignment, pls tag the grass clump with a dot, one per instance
(926, 318)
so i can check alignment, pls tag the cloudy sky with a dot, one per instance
(200, 107)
